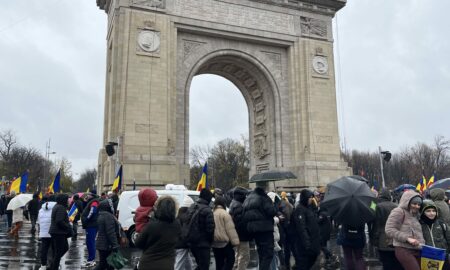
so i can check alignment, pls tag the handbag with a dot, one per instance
(116, 260)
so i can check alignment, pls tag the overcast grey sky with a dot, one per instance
(394, 69)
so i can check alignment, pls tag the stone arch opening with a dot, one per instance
(260, 94)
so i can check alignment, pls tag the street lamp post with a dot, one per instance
(386, 155)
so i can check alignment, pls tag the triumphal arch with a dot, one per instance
(279, 53)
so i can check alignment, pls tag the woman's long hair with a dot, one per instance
(165, 209)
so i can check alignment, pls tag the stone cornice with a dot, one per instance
(334, 5)
(104, 4)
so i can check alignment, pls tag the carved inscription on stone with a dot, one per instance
(324, 139)
(146, 128)
(313, 27)
(262, 167)
(150, 3)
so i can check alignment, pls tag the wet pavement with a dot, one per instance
(23, 253)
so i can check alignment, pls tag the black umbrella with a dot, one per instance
(443, 183)
(350, 201)
(272, 176)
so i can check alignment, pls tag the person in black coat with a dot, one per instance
(307, 234)
(159, 237)
(33, 210)
(60, 230)
(258, 214)
(237, 213)
(107, 234)
(201, 229)
(2, 205)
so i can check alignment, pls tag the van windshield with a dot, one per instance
(193, 197)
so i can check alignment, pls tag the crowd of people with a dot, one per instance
(288, 232)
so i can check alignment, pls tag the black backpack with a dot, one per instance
(192, 232)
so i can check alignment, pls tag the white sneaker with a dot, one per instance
(89, 264)
(43, 267)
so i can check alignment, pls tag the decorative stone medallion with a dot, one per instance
(149, 41)
(320, 65)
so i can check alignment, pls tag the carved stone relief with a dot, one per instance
(149, 41)
(190, 46)
(324, 139)
(320, 65)
(150, 3)
(313, 27)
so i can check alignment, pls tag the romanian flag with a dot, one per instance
(72, 212)
(117, 185)
(422, 184)
(203, 183)
(19, 184)
(40, 195)
(55, 185)
(430, 181)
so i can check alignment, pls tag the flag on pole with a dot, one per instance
(422, 185)
(55, 185)
(19, 185)
(40, 196)
(73, 212)
(117, 184)
(203, 183)
(430, 181)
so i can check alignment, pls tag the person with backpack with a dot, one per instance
(108, 233)
(183, 259)
(60, 230)
(159, 237)
(79, 205)
(404, 228)
(147, 198)
(200, 233)
(435, 231)
(225, 235)
(44, 220)
(89, 223)
(242, 256)
(379, 237)
(258, 214)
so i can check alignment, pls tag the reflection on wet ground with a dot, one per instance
(23, 253)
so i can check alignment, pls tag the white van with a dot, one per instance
(129, 201)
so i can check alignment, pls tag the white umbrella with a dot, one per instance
(19, 201)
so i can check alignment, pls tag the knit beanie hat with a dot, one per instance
(206, 195)
(187, 201)
(416, 199)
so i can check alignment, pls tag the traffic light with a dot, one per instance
(386, 155)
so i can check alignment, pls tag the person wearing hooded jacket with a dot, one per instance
(108, 233)
(404, 228)
(307, 236)
(258, 214)
(44, 220)
(201, 229)
(435, 231)
(159, 237)
(379, 237)
(147, 198)
(60, 229)
(242, 256)
(438, 197)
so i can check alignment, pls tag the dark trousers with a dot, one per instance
(288, 246)
(9, 218)
(354, 258)
(202, 257)
(33, 219)
(91, 233)
(305, 261)
(389, 260)
(75, 229)
(265, 244)
(45, 246)
(103, 264)
(224, 257)
(59, 247)
(408, 258)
